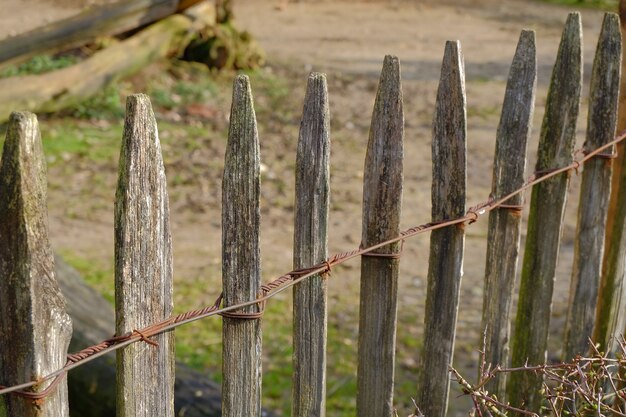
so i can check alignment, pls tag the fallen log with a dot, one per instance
(60, 89)
(106, 20)
(92, 386)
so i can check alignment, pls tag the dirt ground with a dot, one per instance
(348, 40)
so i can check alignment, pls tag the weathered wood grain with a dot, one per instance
(143, 267)
(615, 237)
(611, 297)
(503, 238)
(545, 219)
(34, 326)
(382, 202)
(241, 258)
(445, 262)
(310, 247)
(594, 195)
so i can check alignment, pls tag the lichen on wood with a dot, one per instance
(33, 316)
(545, 220)
(143, 267)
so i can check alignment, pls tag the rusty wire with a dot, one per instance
(290, 279)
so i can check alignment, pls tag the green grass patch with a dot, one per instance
(39, 65)
(63, 139)
(105, 105)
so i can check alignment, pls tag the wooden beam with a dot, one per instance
(60, 89)
(106, 20)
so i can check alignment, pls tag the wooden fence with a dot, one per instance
(35, 329)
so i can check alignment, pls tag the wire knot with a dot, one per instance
(145, 337)
(240, 315)
(396, 255)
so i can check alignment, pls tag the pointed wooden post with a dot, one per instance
(34, 325)
(143, 267)
(594, 193)
(615, 238)
(546, 219)
(310, 248)
(505, 223)
(382, 203)
(241, 258)
(610, 317)
(445, 263)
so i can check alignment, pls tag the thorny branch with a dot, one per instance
(586, 386)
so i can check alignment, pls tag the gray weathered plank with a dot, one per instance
(143, 267)
(594, 193)
(107, 19)
(445, 262)
(310, 247)
(545, 219)
(382, 202)
(503, 238)
(619, 164)
(611, 296)
(241, 258)
(34, 326)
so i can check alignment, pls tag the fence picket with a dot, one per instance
(610, 317)
(446, 245)
(594, 193)
(310, 247)
(546, 216)
(241, 270)
(143, 267)
(382, 201)
(35, 327)
(615, 245)
(503, 239)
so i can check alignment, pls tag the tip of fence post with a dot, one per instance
(317, 76)
(389, 84)
(610, 25)
(527, 37)
(26, 126)
(573, 22)
(242, 106)
(391, 62)
(241, 83)
(139, 110)
(23, 141)
(316, 86)
(452, 50)
(452, 64)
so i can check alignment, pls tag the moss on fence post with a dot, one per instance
(34, 324)
(546, 218)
